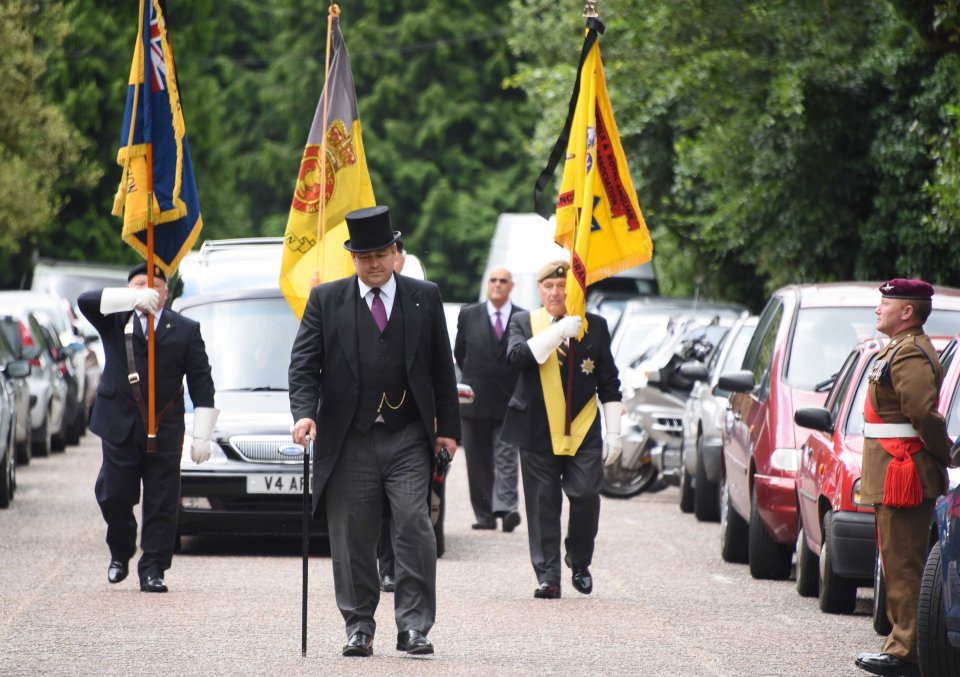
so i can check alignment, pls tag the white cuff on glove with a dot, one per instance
(612, 441)
(204, 418)
(115, 300)
(547, 341)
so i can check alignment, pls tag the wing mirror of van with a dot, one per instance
(815, 418)
(736, 381)
(693, 370)
(18, 369)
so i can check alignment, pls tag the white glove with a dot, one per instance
(115, 300)
(547, 341)
(612, 441)
(204, 419)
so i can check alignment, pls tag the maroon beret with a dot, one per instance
(899, 288)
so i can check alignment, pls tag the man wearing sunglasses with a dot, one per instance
(480, 352)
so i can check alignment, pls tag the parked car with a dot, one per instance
(57, 314)
(12, 372)
(803, 336)
(10, 328)
(48, 389)
(703, 416)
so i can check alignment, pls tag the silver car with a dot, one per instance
(703, 417)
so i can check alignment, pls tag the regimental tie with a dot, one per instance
(498, 325)
(561, 349)
(378, 309)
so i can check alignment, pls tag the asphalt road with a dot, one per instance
(664, 602)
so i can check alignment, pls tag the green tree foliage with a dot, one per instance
(39, 148)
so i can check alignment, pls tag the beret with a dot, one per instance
(900, 288)
(141, 269)
(553, 269)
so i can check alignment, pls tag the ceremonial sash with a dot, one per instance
(555, 399)
(902, 487)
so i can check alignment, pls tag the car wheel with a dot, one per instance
(25, 448)
(75, 429)
(41, 439)
(838, 595)
(937, 656)
(621, 482)
(881, 624)
(686, 484)
(733, 529)
(8, 477)
(808, 567)
(706, 507)
(768, 559)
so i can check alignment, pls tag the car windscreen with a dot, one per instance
(822, 339)
(248, 341)
(640, 334)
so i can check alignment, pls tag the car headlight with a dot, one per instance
(216, 453)
(786, 459)
(855, 492)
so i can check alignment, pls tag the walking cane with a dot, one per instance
(292, 451)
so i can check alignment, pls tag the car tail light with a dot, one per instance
(27, 339)
(786, 458)
(855, 492)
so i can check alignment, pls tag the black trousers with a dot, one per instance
(545, 476)
(124, 469)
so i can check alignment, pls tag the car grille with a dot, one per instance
(263, 448)
(671, 426)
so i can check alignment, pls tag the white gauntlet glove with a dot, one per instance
(115, 300)
(204, 419)
(547, 341)
(612, 442)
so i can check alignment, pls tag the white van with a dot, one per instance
(523, 243)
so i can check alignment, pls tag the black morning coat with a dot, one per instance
(179, 352)
(482, 359)
(325, 367)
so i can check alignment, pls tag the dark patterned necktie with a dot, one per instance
(561, 349)
(378, 309)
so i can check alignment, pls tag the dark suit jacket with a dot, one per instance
(482, 359)
(526, 422)
(179, 352)
(325, 367)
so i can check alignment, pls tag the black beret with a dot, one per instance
(141, 269)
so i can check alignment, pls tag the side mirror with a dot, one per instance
(815, 418)
(693, 370)
(18, 369)
(737, 381)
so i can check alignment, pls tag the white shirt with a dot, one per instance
(504, 313)
(142, 319)
(388, 292)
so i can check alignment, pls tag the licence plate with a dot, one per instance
(276, 484)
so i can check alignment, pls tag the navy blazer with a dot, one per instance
(325, 367)
(180, 353)
(482, 359)
(526, 423)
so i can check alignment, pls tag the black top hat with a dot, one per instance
(141, 269)
(370, 230)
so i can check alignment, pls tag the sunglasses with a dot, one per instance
(501, 280)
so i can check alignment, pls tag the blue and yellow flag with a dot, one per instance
(333, 169)
(153, 127)
(598, 214)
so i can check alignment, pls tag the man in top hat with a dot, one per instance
(905, 454)
(371, 368)
(481, 353)
(120, 418)
(553, 460)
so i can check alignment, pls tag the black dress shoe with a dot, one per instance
(547, 590)
(117, 570)
(511, 521)
(484, 525)
(414, 643)
(359, 644)
(887, 665)
(388, 583)
(153, 584)
(582, 580)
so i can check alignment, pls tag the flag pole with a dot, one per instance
(151, 342)
(321, 213)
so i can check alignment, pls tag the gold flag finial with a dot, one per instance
(590, 9)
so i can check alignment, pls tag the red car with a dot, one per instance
(804, 334)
